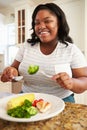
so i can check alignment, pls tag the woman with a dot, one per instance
(50, 45)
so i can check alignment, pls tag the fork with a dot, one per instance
(17, 78)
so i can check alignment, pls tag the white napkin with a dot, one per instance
(63, 68)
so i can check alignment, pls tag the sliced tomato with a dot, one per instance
(36, 101)
(40, 100)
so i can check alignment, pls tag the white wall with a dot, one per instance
(8, 13)
(81, 98)
(85, 27)
(2, 41)
(5, 39)
(74, 10)
(2, 32)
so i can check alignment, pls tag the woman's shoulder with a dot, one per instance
(71, 45)
(68, 45)
(74, 47)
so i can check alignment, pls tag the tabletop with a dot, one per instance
(73, 117)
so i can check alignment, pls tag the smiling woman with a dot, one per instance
(51, 45)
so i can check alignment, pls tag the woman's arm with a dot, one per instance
(15, 64)
(77, 84)
(79, 80)
(10, 72)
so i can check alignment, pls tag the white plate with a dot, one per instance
(58, 106)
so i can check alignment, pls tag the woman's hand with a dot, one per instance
(64, 80)
(8, 74)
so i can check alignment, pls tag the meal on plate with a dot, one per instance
(19, 100)
(26, 105)
(32, 69)
(43, 106)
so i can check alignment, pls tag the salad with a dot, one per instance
(25, 111)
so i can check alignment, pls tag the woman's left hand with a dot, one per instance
(64, 80)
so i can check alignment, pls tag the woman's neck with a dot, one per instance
(48, 48)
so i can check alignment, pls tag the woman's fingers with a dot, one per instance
(8, 74)
(64, 80)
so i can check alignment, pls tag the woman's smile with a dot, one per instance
(46, 26)
(43, 34)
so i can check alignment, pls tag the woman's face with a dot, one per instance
(46, 26)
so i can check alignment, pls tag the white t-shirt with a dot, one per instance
(31, 55)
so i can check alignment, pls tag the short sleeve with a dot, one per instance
(78, 58)
(20, 53)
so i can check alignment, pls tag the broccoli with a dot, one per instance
(33, 69)
(24, 111)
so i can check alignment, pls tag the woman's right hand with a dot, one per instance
(8, 74)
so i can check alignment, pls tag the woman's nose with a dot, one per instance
(42, 25)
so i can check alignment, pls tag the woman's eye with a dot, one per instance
(45, 22)
(48, 21)
(37, 23)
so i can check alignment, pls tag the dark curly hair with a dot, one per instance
(63, 32)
